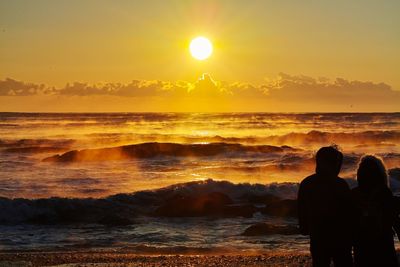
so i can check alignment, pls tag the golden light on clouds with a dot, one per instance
(114, 53)
(201, 48)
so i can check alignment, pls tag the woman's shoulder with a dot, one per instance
(385, 192)
(379, 195)
(383, 195)
(382, 191)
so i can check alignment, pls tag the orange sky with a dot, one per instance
(268, 55)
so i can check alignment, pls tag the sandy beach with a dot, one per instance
(132, 259)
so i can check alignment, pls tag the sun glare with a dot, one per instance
(200, 48)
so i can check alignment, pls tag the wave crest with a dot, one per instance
(154, 149)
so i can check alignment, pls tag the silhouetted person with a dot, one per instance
(375, 215)
(325, 211)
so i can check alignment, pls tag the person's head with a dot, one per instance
(329, 161)
(371, 173)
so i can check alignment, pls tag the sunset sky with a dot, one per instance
(274, 56)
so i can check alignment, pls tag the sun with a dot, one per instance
(201, 48)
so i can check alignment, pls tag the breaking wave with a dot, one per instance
(122, 209)
(149, 150)
(198, 198)
(358, 139)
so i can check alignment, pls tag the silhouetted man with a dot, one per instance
(325, 211)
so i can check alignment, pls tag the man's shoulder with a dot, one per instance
(308, 180)
(313, 179)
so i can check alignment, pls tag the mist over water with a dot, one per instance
(27, 139)
(241, 148)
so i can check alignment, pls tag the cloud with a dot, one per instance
(10, 87)
(204, 86)
(136, 88)
(303, 88)
(283, 93)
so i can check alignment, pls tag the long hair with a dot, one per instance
(372, 173)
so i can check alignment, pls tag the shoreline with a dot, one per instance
(120, 258)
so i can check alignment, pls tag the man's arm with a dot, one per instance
(302, 211)
(349, 209)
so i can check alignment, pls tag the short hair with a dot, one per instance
(329, 160)
(371, 172)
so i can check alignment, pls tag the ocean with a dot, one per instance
(118, 180)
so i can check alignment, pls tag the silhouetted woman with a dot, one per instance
(375, 214)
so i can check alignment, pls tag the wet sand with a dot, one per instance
(131, 259)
